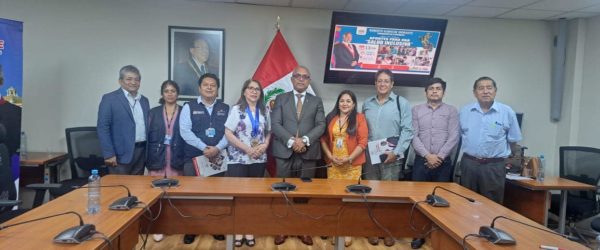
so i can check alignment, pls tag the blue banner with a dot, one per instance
(11, 88)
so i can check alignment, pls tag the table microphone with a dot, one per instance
(165, 182)
(360, 188)
(124, 203)
(498, 236)
(437, 201)
(73, 235)
(284, 186)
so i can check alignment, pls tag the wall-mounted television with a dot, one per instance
(361, 44)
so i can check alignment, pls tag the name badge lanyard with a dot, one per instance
(255, 121)
(168, 137)
(170, 122)
(339, 140)
(210, 131)
(132, 106)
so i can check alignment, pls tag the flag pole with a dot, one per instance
(277, 24)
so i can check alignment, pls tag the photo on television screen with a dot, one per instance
(362, 44)
(358, 48)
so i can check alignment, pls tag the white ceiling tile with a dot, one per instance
(457, 2)
(382, 6)
(414, 8)
(575, 14)
(266, 2)
(512, 4)
(320, 4)
(471, 11)
(562, 5)
(530, 14)
(511, 9)
(595, 8)
(220, 1)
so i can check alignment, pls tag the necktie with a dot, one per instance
(299, 105)
(349, 46)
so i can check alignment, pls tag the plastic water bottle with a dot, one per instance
(94, 193)
(23, 147)
(540, 173)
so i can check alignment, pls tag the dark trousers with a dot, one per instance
(421, 172)
(486, 179)
(136, 167)
(246, 170)
(295, 166)
(188, 170)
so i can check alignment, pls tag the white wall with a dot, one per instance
(589, 102)
(73, 50)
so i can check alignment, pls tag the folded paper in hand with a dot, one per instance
(210, 166)
(381, 147)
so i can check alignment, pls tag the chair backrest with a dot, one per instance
(581, 164)
(84, 151)
(454, 154)
(405, 168)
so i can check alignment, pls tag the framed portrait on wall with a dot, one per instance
(192, 53)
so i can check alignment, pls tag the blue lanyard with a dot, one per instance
(254, 120)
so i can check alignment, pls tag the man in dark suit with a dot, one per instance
(346, 54)
(297, 121)
(187, 73)
(122, 125)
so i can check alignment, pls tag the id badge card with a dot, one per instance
(339, 142)
(168, 139)
(211, 132)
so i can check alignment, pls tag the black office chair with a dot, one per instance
(8, 191)
(581, 164)
(85, 154)
(455, 160)
(405, 169)
(595, 225)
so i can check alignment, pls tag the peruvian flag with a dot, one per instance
(275, 75)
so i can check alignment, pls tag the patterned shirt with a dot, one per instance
(241, 126)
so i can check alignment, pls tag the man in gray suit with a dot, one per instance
(297, 121)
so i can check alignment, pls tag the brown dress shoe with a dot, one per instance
(280, 239)
(389, 241)
(374, 241)
(307, 240)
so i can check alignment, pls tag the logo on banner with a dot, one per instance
(1, 46)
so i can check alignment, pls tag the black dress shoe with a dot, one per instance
(189, 238)
(219, 237)
(416, 243)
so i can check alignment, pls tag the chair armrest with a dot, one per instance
(43, 186)
(40, 191)
(9, 203)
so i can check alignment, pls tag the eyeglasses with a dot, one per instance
(301, 77)
(253, 89)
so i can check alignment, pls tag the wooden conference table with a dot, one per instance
(48, 161)
(247, 205)
(532, 198)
